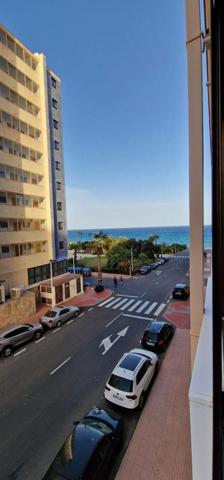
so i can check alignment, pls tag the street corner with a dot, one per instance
(179, 314)
(89, 298)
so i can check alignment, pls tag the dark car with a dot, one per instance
(145, 269)
(181, 292)
(153, 266)
(156, 335)
(87, 271)
(77, 270)
(14, 335)
(89, 449)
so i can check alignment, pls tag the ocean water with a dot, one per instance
(166, 234)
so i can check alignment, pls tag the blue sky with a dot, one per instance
(124, 91)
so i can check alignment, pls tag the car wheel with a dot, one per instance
(7, 351)
(141, 401)
(58, 324)
(76, 314)
(37, 335)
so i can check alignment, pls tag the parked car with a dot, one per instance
(14, 335)
(130, 378)
(87, 271)
(153, 265)
(58, 315)
(160, 261)
(157, 335)
(181, 291)
(89, 449)
(144, 269)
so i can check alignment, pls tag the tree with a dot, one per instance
(99, 242)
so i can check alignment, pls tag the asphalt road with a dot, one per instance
(48, 384)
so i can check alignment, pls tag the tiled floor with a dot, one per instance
(160, 446)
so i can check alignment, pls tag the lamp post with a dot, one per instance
(132, 267)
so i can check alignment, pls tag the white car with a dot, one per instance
(58, 315)
(130, 378)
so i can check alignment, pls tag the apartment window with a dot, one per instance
(58, 185)
(60, 225)
(3, 64)
(15, 124)
(53, 82)
(21, 77)
(27, 59)
(23, 128)
(59, 205)
(4, 225)
(12, 71)
(5, 251)
(56, 145)
(61, 245)
(3, 197)
(32, 132)
(10, 43)
(55, 122)
(54, 103)
(2, 171)
(58, 165)
(2, 37)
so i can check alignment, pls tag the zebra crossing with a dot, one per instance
(126, 304)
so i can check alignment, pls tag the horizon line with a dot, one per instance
(130, 228)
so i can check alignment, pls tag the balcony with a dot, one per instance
(201, 397)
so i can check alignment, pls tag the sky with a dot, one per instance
(123, 68)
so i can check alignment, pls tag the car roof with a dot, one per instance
(180, 285)
(10, 327)
(128, 365)
(155, 327)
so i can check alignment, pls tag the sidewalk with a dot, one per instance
(160, 446)
(87, 299)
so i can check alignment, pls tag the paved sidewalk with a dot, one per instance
(87, 299)
(160, 446)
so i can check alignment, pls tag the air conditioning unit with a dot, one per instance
(2, 294)
(16, 292)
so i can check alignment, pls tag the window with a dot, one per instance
(60, 225)
(2, 37)
(3, 64)
(5, 251)
(27, 59)
(12, 71)
(23, 128)
(19, 51)
(58, 185)
(142, 371)
(61, 245)
(54, 103)
(3, 197)
(10, 43)
(55, 122)
(121, 383)
(59, 205)
(21, 77)
(53, 82)
(3, 225)
(2, 171)
(15, 123)
(58, 165)
(56, 145)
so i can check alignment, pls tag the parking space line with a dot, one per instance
(18, 353)
(40, 340)
(70, 321)
(59, 366)
(57, 330)
(137, 316)
(90, 309)
(81, 315)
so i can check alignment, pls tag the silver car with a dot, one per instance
(58, 315)
(16, 334)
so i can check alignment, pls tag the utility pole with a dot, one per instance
(132, 267)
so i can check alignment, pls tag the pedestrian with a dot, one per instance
(115, 281)
(121, 278)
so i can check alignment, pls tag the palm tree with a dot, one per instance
(99, 241)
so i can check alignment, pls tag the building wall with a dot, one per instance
(28, 196)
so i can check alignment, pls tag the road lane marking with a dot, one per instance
(127, 296)
(113, 320)
(55, 331)
(107, 343)
(127, 304)
(105, 302)
(40, 340)
(81, 315)
(70, 321)
(59, 366)
(150, 308)
(113, 302)
(143, 294)
(18, 353)
(120, 303)
(137, 316)
(133, 306)
(159, 309)
(142, 307)
(90, 309)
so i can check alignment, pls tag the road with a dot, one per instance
(48, 384)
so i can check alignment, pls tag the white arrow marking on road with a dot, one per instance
(106, 342)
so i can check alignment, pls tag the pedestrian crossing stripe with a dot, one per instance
(133, 305)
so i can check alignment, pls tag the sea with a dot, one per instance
(167, 235)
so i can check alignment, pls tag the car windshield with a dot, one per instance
(96, 424)
(121, 383)
(51, 314)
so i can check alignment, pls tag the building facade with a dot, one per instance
(33, 227)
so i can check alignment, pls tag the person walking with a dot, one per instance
(115, 281)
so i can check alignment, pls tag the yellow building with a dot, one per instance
(33, 227)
